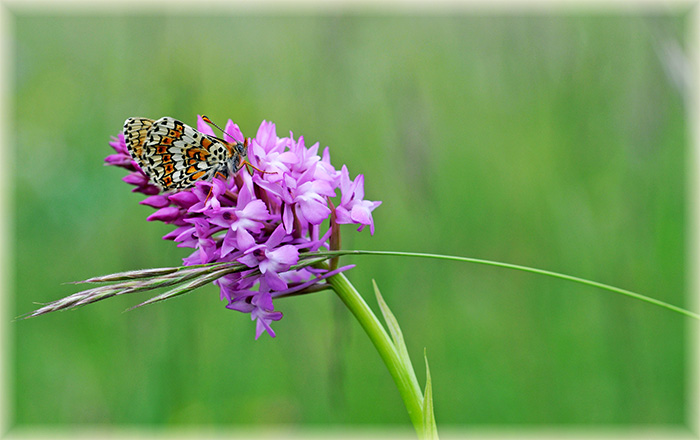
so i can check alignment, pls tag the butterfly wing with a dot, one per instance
(135, 133)
(178, 155)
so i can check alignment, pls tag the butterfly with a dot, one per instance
(174, 155)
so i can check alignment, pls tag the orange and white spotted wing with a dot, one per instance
(174, 155)
(135, 133)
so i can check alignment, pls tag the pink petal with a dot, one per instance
(244, 240)
(274, 281)
(276, 237)
(314, 211)
(267, 135)
(135, 179)
(360, 214)
(234, 131)
(158, 201)
(288, 218)
(254, 210)
(342, 215)
(185, 199)
(249, 260)
(359, 189)
(229, 244)
(287, 255)
(165, 214)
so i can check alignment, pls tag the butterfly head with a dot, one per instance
(242, 148)
(238, 151)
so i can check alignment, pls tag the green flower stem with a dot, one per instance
(405, 380)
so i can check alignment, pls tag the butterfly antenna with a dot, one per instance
(209, 121)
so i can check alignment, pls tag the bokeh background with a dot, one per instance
(550, 139)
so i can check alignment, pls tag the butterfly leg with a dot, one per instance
(245, 162)
(217, 174)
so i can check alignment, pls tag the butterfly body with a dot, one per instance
(174, 155)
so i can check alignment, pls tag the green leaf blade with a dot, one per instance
(429, 424)
(397, 336)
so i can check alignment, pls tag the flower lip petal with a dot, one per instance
(315, 211)
(223, 217)
(255, 210)
(361, 214)
(287, 255)
(273, 280)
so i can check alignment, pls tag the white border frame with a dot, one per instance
(297, 7)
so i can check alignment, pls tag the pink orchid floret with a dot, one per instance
(261, 220)
(353, 208)
(271, 258)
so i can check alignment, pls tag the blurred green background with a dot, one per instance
(553, 140)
